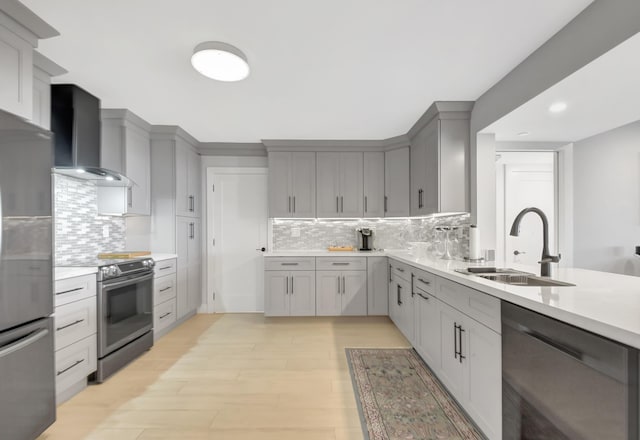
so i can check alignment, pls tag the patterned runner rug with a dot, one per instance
(399, 398)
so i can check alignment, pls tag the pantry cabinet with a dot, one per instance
(396, 183)
(292, 185)
(339, 185)
(188, 248)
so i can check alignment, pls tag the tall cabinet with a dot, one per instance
(176, 200)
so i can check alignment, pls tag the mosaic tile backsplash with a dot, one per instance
(78, 226)
(388, 233)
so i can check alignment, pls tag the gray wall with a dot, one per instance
(607, 201)
(600, 27)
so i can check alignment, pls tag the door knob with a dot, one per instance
(518, 252)
(262, 249)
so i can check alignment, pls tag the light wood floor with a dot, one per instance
(234, 377)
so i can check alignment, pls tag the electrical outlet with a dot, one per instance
(295, 232)
(105, 231)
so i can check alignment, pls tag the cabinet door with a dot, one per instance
(483, 369)
(328, 293)
(394, 302)
(454, 145)
(354, 293)
(451, 373)
(418, 173)
(138, 169)
(16, 74)
(373, 184)
(182, 182)
(351, 181)
(377, 286)
(407, 311)
(328, 185)
(183, 232)
(428, 330)
(396, 182)
(41, 98)
(194, 262)
(432, 169)
(276, 293)
(302, 296)
(279, 185)
(303, 185)
(194, 184)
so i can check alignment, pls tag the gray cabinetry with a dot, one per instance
(377, 286)
(188, 297)
(341, 293)
(339, 185)
(290, 293)
(439, 152)
(396, 182)
(373, 184)
(292, 184)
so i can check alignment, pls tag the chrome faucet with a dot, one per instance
(546, 260)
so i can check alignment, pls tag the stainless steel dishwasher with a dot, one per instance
(561, 382)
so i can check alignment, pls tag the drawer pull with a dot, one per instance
(165, 315)
(340, 264)
(288, 264)
(165, 268)
(75, 364)
(400, 270)
(166, 288)
(424, 281)
(69, 325)
(70, 290)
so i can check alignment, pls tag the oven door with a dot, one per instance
(126, 311)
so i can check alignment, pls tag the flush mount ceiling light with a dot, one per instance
(220, 61)
(558, 107)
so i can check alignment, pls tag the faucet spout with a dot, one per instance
(546, 259)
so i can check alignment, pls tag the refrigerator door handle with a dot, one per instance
(23, 342)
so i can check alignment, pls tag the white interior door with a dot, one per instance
(528, 180)
(237, 230)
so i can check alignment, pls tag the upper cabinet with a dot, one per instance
(187, 182)
(373, 184)
(292, 184)
(43, 70)
(20, 30)
(439, 156)
(339, 185)
(396, 182)
(126, 148)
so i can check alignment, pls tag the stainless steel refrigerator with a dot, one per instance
(27, 378)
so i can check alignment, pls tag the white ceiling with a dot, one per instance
(603, 95)
(330, 69)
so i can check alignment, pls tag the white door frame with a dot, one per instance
(210, 173)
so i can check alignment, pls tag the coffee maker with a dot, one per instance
(365, 239)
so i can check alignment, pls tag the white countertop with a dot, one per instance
(604, 303)
(62, 273)
(162, 257)
(324, 253)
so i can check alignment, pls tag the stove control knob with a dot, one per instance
(147, 263)
(105, 272)
(113, 270)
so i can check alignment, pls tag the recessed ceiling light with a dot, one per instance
(558, 107)
(220, 61)
(523, 133)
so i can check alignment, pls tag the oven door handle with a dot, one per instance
(135, 280)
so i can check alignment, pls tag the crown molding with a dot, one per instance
(232, 149)
(47, 66)
(442, 110)
(336, 145)
(27, 19)
(127, 117)
(171, 132)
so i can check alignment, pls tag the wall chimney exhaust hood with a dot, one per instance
(75, 121)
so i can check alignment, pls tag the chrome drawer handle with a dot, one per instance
(166, 288)
(69, 325)
(69, 291)
(165, 268)
(70, 367)
(340, 264)
(165, 315)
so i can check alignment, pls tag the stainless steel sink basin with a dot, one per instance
(513, 277)
(524, 279)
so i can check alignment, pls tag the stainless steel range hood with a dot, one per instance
(75, 121)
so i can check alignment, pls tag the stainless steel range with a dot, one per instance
(125, 313)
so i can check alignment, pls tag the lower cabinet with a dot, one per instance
(401, 303)
(341, 293)
(290, 293)
(165, 295)
(427, 329)
(377, 286)
(75, 340)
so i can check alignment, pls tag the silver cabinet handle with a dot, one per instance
(75, 364)
(165, 315)
(69, 325)
(337, 203)
(192, 203)
(399, 290)
(192, 229)
(287, 287)
(338, 280)
(23, 342)
(340, 264)
(292, 285)
(70, 290)
(165, 267)
(341, 204)
(288, 264)
(365, 203)
(166, 288)
(343, 286)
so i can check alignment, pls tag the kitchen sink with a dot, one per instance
(513, 277)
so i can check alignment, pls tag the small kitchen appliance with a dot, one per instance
(365, 239)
